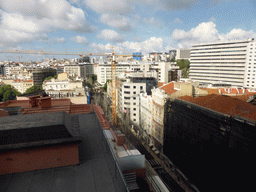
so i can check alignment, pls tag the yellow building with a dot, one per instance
(27, 84)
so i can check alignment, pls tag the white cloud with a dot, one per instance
(238, 34)
(152, 44)
(111, 6)
(79, 39)
(110, 35)
(206, 32)
(29, 19)
(153, 21)
(117, 21)
(177, 20)
(101, 47)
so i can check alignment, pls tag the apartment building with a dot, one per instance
(155, 108)
(83, 70)
(129, 88)
(145, 113)
(104, 71)
(228, 62)
(18, 85)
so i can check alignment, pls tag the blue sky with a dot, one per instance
(128, 25)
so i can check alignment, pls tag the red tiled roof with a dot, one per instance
(225, 104)
(168, 88)
(18, 80)
(211, 91)
(244, 97)
(31, 80)
(161, 84)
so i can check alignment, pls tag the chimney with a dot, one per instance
(33, 100)
(44, 102)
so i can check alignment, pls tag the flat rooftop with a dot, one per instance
(96, 171)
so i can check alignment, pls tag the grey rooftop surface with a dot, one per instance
(96, 171)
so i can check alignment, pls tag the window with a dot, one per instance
(134, 98)
(134, 92)
(126, 86)
(127, 92)
(134, 103)
(134, 109)
(141, 87)
(134, 119)
(134, 87)
(134, 114)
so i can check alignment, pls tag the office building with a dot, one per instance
(227, 62)
(40, 74)
(183, 54)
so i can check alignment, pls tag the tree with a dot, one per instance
(106, 85)
(184, 66)
(94, 78)
(32, 89)
(48, 78)
(8, 93)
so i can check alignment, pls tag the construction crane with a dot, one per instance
(113, 88)
(81, 54)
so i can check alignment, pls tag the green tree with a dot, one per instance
(32, 89)
(184, 66)
(8, 93)
(106, 85)
(48, 78)
(94, 78)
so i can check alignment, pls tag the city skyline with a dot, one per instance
(145, 26)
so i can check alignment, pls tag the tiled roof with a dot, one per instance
(161, 84)
(211, 91)
(31, 80)
(18, 80)
(168, 88)
(225, 104)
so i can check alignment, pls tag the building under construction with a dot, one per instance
(212, 141)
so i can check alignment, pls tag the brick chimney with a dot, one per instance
(44, 102)
(33, 100)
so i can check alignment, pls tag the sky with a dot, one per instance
(128, 25)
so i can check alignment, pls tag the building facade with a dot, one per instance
(183, 54)
(40, 74)
(229, 62)
(104, 71)
(83, 70)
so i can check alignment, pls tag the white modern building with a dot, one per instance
(129, 88)
(183, 54)
(227, 62)
(164, 70)
(104, 71)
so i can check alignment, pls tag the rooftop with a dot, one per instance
(96, 171)
(225, 104)
(168, 88)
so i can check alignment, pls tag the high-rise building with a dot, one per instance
(228, 62)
